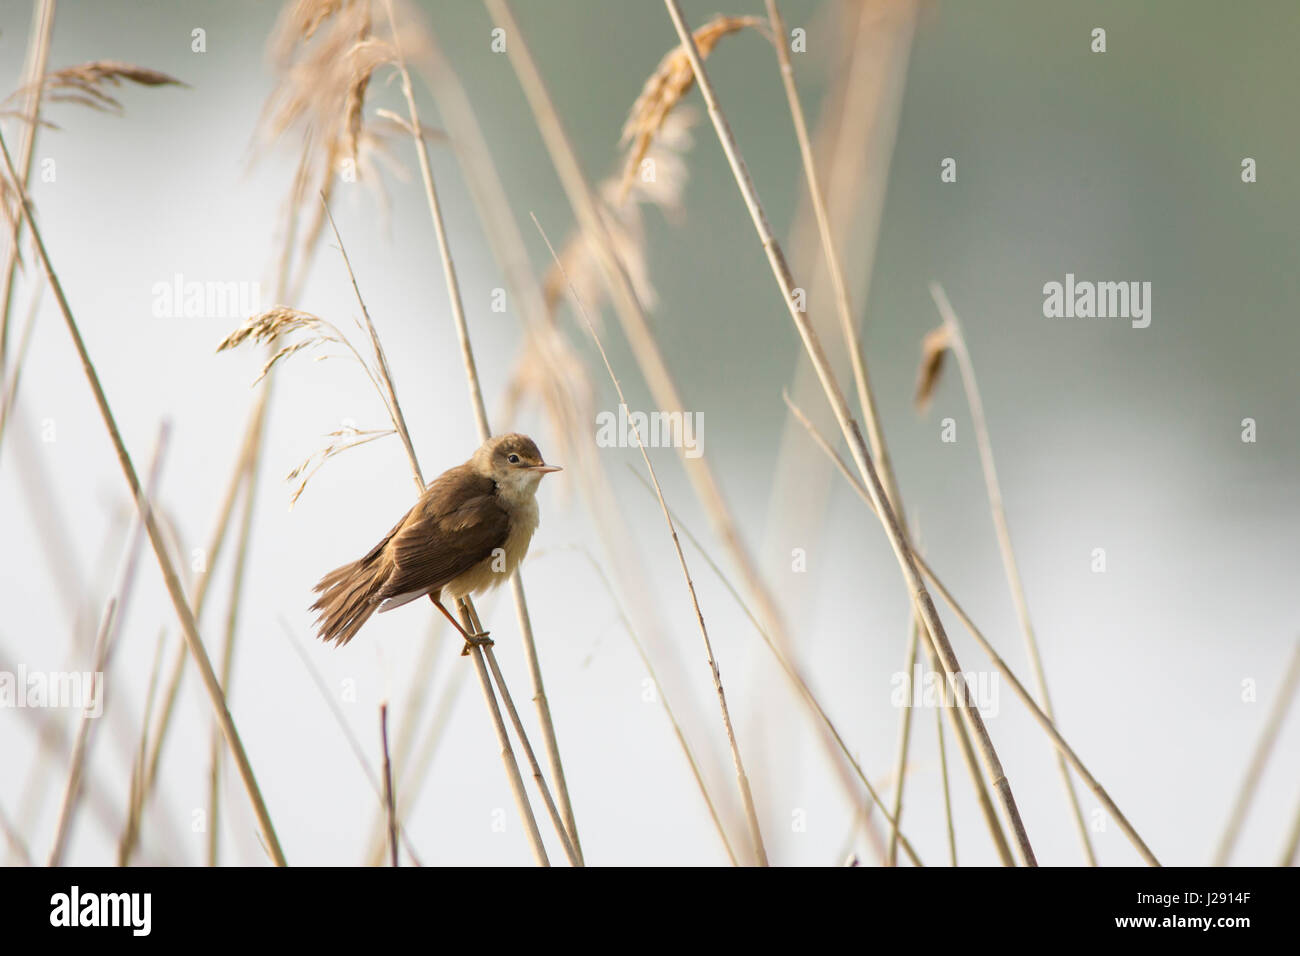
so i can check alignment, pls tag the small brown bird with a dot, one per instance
(467, 533)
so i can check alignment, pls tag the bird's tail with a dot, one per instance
(346, 599)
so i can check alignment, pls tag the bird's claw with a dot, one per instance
(477, 640)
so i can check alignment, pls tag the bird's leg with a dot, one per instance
(471, 640)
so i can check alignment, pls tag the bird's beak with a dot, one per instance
(545, 469)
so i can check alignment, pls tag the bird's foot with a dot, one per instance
(476, 640)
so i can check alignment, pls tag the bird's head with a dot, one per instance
(513, 462)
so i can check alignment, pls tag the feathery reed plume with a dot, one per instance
(340, 440)
(671, 80)
(326, 52)
(934, 347)
(89, 83)
(620, 206)
(274, 326)
(620, 203)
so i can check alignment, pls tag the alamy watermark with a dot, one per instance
(69, 690)
(980, 688)
(1100, 300)
(683, 430)
(191, 299)
(133, 911)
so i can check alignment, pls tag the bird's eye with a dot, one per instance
(513, 459)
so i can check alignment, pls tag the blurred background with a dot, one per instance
(1117, 166)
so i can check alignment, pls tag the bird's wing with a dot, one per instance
(457, 524)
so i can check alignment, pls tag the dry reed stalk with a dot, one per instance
(633, 319)
(1291, 849)
(1003, 668)
(152, 756)
(855, 139)
(484, 431)
(134, 801)
(106, 638)
(619, 277)
(390, 807)
(800, 685)
(14, 839)
(10, 381)
(631, 313)
(38, 52)
(857, 361)
(313, 94)
(503, 739)
(831, 256)
(1259, 758)
(974, 771)
(188, 625)
(275, 323)
(548, 367)
(663, 699)
(309, 95)
(227, 666)
(956, 342)
(904, 739)
(305, 97)
(947, 795)
(358, 751)
(63, 560)
(55, 745)
(852, 434)
(742, 780)
(55, 538)
(619, 204)
(414, 775)
(414, 701)
(538, 778)
(72, 789)
(385, 374)
(605, 245)
(34, 797)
